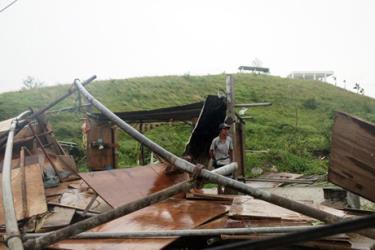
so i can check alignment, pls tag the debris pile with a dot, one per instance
(157, 206)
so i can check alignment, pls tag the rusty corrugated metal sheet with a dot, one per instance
(121, 186)
(171, 214)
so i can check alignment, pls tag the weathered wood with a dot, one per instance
(23, 183)
(58, 217)
(245, 207)
(36, 202)
(352, 163)
(101, 145)
(240, 148)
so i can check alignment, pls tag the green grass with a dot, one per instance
(295, 129)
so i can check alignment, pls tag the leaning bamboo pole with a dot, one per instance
(181, 233)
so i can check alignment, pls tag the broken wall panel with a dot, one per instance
(35, 201)
(352, 162)
(121, 186)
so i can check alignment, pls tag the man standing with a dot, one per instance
(221, 149)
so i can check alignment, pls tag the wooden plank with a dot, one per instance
(245, 207)
(36, 201)
(352, 162)
(58, 217)
(61, 188)
(272, 184)
(135, 182)
(65, 166)
(77, 199)
(167, 215)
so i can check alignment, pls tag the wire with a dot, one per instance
(6, 7)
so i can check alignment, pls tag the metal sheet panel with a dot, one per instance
(352, 163)
(167, 215)
(121, 186)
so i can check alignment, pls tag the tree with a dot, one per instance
(31, 83)
(359, 89)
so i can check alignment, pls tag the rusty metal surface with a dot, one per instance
(167, 215)
(36, 201)
(352, 163)
(121, 186)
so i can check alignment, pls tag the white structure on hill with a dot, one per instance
(311, 75)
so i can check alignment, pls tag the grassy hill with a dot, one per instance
(295, 130)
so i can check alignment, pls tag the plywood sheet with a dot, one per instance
(121, 186)
(58, 217)
(352, 163)
(78, 199)
(36, 201)
(61, 188)
(167, 215)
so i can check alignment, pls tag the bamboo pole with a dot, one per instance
(179, 233)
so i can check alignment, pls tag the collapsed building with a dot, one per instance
(48, 204)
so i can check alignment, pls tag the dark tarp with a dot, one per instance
(206, 129)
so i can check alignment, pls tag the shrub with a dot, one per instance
(310, 103)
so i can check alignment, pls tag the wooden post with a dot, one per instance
(142, 156)
(232, 120)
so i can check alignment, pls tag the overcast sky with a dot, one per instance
(57, 41)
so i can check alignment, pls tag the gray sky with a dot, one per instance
(57, 41)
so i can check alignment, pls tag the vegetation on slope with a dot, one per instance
(295, 130)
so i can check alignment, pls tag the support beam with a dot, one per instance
(213, 177)
(252, 105)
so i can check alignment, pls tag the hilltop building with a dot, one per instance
(311, 75)
(254, 69)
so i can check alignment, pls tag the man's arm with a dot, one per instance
(211, 153)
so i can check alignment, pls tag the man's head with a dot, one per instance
(224, 128)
